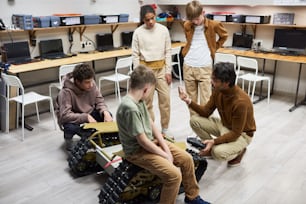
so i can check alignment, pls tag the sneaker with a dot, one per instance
(69, 144)
(236, 161)
(197, 200)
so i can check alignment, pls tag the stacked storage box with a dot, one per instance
(22, 21)
(55, 21)
(41, 21)
(92, 19)
(124, 17)
(109, 18)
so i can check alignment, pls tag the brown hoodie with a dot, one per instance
(73, 104)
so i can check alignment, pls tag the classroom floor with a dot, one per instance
(272, 171)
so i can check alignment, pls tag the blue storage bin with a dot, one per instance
(124, 17)
(55, 21)
(41, 21)
(22, 21)
(92, 19)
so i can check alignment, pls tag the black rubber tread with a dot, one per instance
(200, 164)
(78, 162)
(117, 182)
(112, 189)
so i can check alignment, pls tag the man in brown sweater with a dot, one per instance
(233, 131)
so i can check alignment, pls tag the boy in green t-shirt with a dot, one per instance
(144, 145)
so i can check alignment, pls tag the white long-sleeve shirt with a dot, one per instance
(152, 45)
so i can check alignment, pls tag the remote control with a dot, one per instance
(196, 142)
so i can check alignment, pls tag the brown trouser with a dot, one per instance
(163, 91)
(205, 127)
(169, 173)
(197, 84)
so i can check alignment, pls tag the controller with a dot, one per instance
(196, 142)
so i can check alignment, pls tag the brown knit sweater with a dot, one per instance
(235, 109)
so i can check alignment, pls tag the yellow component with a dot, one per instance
(181, 145)
(103, 127)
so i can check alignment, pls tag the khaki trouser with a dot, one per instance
(205, 127)
(197, 84)
(163, 91)
(169, 173)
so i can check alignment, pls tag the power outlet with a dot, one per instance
(257, 44)
(87, 46)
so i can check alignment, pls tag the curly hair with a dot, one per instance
(82, 72)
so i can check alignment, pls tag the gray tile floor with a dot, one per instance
(273, 170)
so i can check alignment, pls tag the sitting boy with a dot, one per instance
(144, 145)
(80, 101)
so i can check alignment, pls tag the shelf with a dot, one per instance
(80, 28)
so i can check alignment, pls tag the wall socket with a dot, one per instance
(257, 44)
(87, 46)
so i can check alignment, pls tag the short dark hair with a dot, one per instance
(82, 72)
(144, 10)
(141, 76)
(225, 72)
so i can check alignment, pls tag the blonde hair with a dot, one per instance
(193, 10)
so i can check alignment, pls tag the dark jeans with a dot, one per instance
(71, 129)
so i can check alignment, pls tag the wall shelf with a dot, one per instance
(80, 28)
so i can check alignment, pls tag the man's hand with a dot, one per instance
(207, 149)
(168, 78)
(91, 119)
(183, 95)
(107, 116)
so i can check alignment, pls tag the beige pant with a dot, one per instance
(205, 127)
(197, 84)
(169, 173)
(163, 91)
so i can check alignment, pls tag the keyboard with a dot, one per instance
(106, 48)
(55, 56)
(239, 48)
(22, 61)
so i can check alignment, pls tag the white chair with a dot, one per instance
(251, 65)
(176, 53)
(23, 99)
(63, 70)
(122, 70)
(226, 57)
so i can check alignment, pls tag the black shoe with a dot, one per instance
(69, 144)
(197, 200)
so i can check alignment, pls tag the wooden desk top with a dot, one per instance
(270, 56)
(45, 64)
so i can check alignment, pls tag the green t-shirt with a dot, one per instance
(133, 119)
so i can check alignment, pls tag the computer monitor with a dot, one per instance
(126, 38)
(49, 47)
(104, 41)
(242, 40)
(290, 40)
(16, 50)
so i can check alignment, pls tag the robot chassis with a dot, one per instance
(127, 183)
